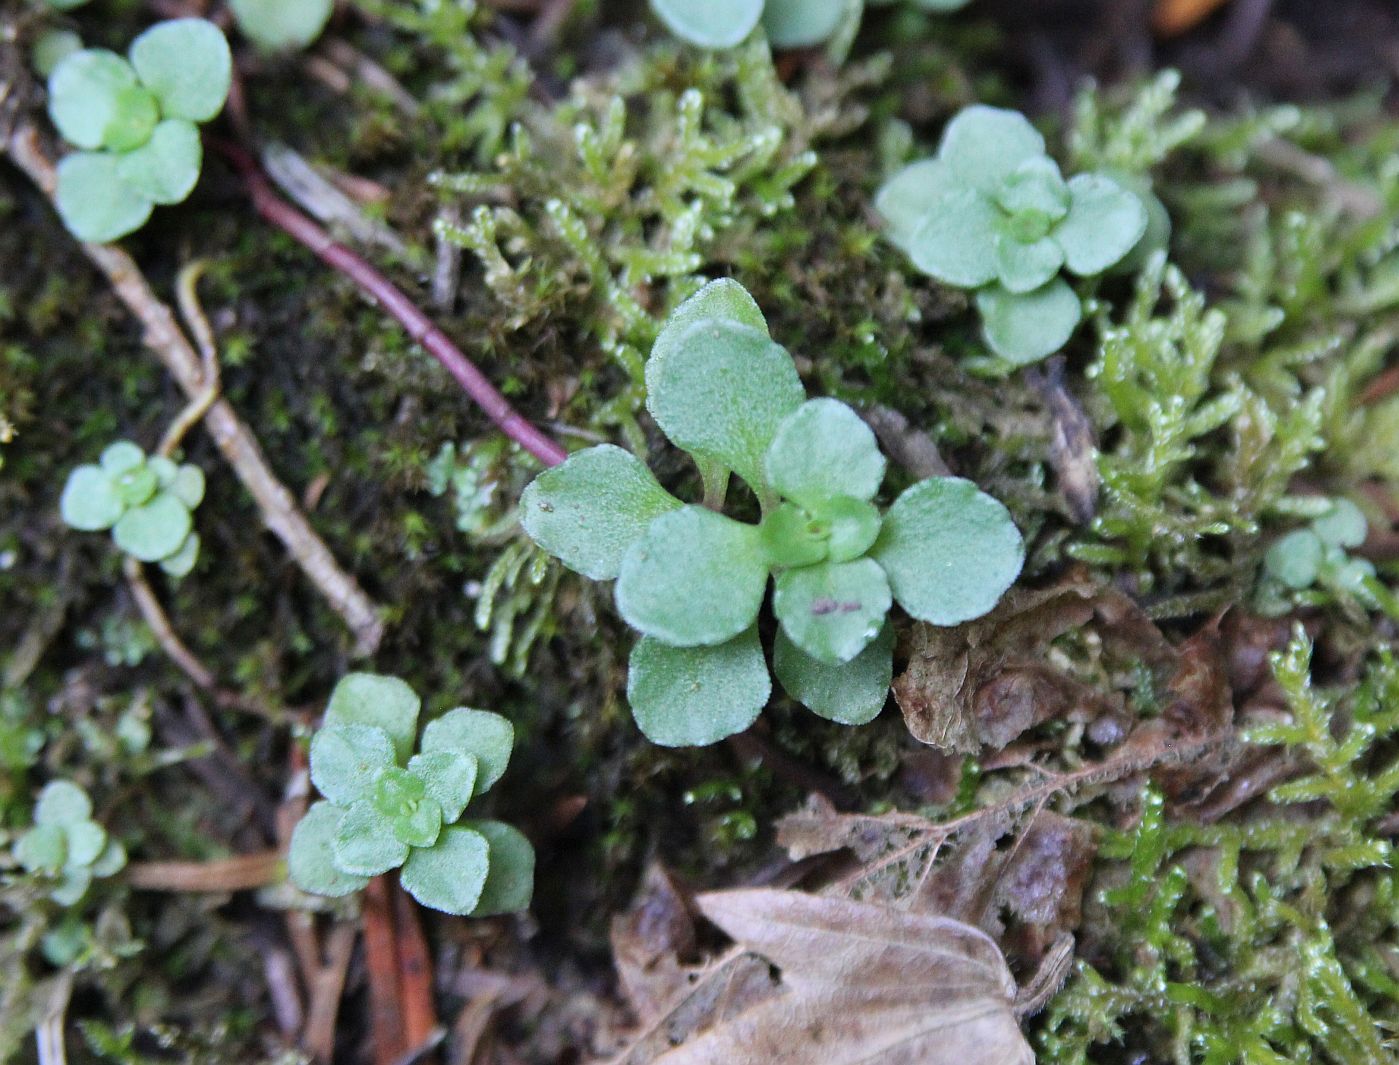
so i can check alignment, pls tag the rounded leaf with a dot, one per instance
(833, 610)
(154, 530)
(854, 526)
(695, 578)
(134, 119)
(802, 23)
(721, 393)
(43, 849)
(450, 779)
(1104, 223)
(277, 24)
(84, 94)
(186, 63)
(384, 702)
(166, 168)
(823, 450)
(956, 241)
(852, 693)
(487, 736)
(420, 826)
(1026, 327)
(111, 860)
(451, 874)
(1157, 237)
(182, 562)
(121, 457)
(1295, 559)
(73, 886)
(62, 803)
(908, 197)
(1025, 267)
(365, 843)
(86, 840)
(1036, 189)
(695, 696)
(510, 879)
(711, 24)
(589, 510)
(311, 856)
(983, 146)
(89, 501)
(346, 760)
(725, 299)
(95, 204)
(950, 551)
(51, 48)
(1344, 525)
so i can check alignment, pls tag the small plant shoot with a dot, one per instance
(66, 846)
(692, 580)
(136, 123)
(787, 23)
(147, 503)
(992, 213)
(392, 802)
(1316, 557)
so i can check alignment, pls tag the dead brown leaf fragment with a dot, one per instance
(862, 983)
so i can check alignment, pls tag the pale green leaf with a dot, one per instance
(277, 24)
(823, 450)
(721, 393)
(1035, 188)
(86, 840)
(956, 241)
(1026, 327)
(486, 735)
(854, 526)
(510, 878)
(833, 610)
(346, 760)
(1295, 559)
(725, 299)
(450, 777)
(451, 874)
(365, 844)
(62, 803)
(711, 23)
(121, 457)
(95, 204)
(154, 530)
(384, 702)
(950, 550)
(43, 848)
(189, 485)
(133, 120)
(186, 63)
(84, 94)
(802, 23)
(852, 693)
(911, 195)
(1104, 223)
(1025, 267)
(695, 577)
(73, 886)
(111, 860)
(421, 825)
(182, 562)
(51, 48)
(695, 696)
(165, 168)
(1344, 525)
(983, 146)
(589, 510)
(311, 856)
(89, 501)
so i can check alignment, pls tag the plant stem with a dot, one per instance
(421, 329)
(242, 873)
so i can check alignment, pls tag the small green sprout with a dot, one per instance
(146, 502)
(388, 807)
(135, 121)
(993, 213)
(282, 24)
(1317, 554)
(692, 580)
(787, 23)
(66, 844)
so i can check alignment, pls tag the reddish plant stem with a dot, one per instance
(381, 960)
(421, 329)
(414, 972)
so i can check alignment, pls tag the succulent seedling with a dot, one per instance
(787, 23)
(281, 24)
(992, 213)
(135, 121)
(1317, 554)
(692, 580)
(387, 807)
(66, 845)
(147, 503)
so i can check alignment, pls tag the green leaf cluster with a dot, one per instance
(1317, 553)
(992, 213)
(147, 502)
(282, 24)
(786, 23)
(692, 580)
(135, 120)
(65, 845)
(388, 806)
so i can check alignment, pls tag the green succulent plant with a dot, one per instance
(66, 844)
(387, 807)
(135, 121)
(147, 502)
(1317, 554)
(692, 580)
(992, 213)
(282, 24)
(787, 23)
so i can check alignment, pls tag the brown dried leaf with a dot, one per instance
(648, 942)
(863, 983)
(1043, 884)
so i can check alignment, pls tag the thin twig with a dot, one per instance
(236, 442)
(318, 1038)
(244, 872)
(49, 1033)
(421, 329)
(198, 325)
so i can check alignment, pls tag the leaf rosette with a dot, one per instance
(66, 845)
(692, 580)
